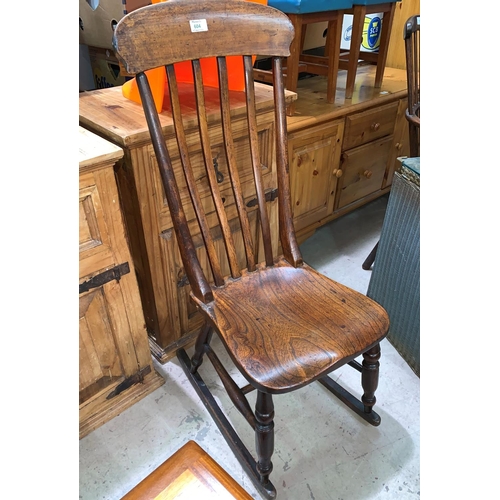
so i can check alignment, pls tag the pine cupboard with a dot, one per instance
(115, 363)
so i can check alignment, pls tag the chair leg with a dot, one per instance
(414, 140)
(202, 340)
(387, 22)
(332, 51)
(369, 377)
(264, 434)
(258, 472)
(302, 39)
(292, 61)
(349, 400)
(367, 264)
(358, 21)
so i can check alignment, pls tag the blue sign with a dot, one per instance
(373, 32)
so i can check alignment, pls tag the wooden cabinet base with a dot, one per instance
(99, 410)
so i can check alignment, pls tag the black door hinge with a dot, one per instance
(270, 196)
(115, 273)
(129, 382)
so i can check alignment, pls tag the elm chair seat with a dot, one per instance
(359, 11)
(301, 13)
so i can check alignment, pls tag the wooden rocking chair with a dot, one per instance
(283, 324)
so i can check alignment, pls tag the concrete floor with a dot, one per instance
(322, 450)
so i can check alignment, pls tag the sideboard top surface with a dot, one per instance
(110, 114)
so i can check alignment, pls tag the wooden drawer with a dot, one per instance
(363, 170)
(367, 126)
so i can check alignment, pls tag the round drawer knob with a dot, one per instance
(367, 173)
(375, 126)
(337, 173)
(399, 146)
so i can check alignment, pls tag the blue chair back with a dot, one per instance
(308, 6)
(373, 2)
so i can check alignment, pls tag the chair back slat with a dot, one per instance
(190, 179)
(254, 153)
(236, 24)
(411, 36)
(287, 237)
(231, 162)
(210, 171)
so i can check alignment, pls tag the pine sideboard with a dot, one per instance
(115, 363)
(342, 155)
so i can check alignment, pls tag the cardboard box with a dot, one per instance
(86, 79)
(98, 19)
(106, 70)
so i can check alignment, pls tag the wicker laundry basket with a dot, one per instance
(395, 279)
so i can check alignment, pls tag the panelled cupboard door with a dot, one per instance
(107, 351)
(363, 170)
(314, 156)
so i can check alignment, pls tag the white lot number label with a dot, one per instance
(198, 25)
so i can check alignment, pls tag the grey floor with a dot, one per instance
(322, 450)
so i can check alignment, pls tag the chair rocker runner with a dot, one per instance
(283, 324)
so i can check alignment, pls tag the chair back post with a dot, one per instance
(288, 241)
(411, 36)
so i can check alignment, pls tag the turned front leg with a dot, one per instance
(264, 434)
(369, 377)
